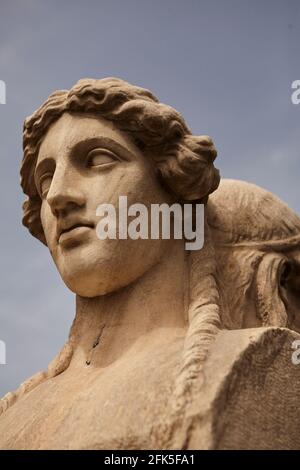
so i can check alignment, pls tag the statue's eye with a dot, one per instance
(101, 158)
(45, 183)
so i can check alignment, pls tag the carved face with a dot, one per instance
(85, 161)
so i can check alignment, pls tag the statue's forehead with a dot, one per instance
(71, 129)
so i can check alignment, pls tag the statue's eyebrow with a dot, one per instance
(78, 151)
(91, 143)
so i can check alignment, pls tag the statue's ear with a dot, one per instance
(290, 292)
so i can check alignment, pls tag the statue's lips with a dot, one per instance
(74, 233)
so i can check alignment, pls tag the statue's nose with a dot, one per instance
(64, 193)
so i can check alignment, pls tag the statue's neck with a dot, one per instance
(146, 314)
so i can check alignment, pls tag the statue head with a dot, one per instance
(91, 144)
(257, 242)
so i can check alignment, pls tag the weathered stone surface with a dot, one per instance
(169, 348)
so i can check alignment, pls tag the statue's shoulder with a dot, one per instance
(249, 399)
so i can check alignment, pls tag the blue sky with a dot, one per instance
(226, 65)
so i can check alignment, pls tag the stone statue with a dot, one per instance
(169, 348)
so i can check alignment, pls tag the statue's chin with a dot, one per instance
(91, 284)
(85, 288)
(92, 273)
